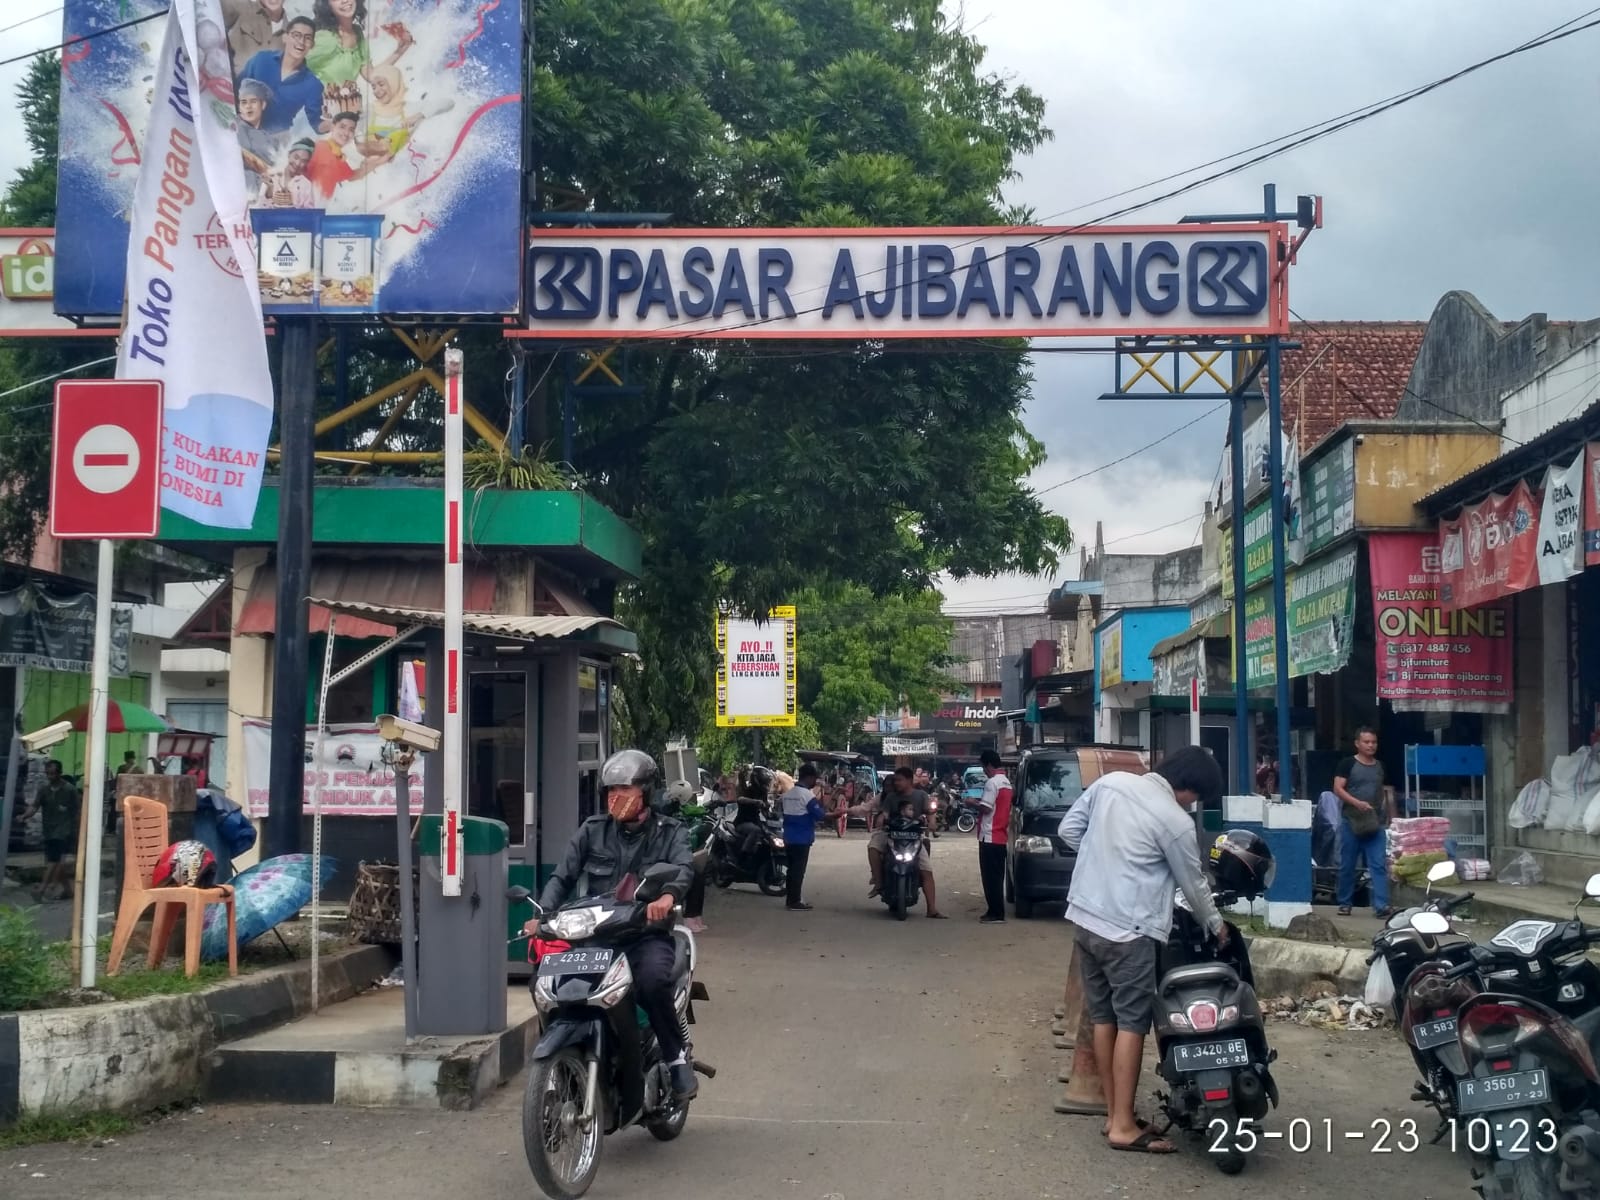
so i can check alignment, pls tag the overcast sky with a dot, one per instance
(1489, 184)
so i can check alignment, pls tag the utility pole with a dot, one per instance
(291, 633)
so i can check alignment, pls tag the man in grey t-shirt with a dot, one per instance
(1366, 806)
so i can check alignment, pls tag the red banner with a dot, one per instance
(1430, 657)
(1491, 550)
(1591, 508)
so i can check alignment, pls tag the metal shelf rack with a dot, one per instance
(1468, 815)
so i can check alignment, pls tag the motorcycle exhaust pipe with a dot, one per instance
(1580, 1148)
(1249, 1096)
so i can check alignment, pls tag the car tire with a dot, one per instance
(1011, 889)
(1023, 908)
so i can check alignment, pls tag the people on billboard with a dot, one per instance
(253, 26)
(341, 53)
(292, 187)
(329, 168)
(257, 146)
(294, 88)
(389, 124)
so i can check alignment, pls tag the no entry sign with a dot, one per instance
(105, 464)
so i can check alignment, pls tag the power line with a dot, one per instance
(33, 383)
(1210, 412)
(30, 20)
(73, 41)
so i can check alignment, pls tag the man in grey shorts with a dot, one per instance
(898, 790)
(1136, 845)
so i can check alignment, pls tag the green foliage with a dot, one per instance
(860, 654)
(725, 749)
(33, 1131)
(530, 471)
(29, 971)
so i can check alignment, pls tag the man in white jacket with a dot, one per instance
(1136, 844)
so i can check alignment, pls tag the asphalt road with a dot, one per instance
(859, 1058)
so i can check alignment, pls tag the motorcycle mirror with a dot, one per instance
(518, 895)
(1430, 923)
(1440, 871)
(1592, 888)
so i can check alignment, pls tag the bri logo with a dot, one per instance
(566, 283)
(1227, 278)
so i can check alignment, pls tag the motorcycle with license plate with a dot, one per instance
(902, 878)
(747, 852)
(1528, 1105)
(597, 1068)
(1210, 1034)
(1423, 1001)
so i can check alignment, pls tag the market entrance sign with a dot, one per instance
(888, 283)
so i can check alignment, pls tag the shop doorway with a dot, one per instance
(499, 762)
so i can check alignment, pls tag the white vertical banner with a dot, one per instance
(1561, 522)
(194, 311)
(453, 837)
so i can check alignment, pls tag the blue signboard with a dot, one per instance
(393, 128)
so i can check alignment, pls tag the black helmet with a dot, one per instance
(1241, 862)
(628, 768)
(755, 781)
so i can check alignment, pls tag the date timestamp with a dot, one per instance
(1476, 1135)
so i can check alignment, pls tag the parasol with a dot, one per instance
(264, 896)
(122, 716)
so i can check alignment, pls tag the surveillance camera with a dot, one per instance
(407, 734)
(50, 735)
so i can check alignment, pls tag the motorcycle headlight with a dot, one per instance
(905, 854)
(617, 984)
(575, 924)
(778, 842)
(1034, 845)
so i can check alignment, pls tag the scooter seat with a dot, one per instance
(1181, 977)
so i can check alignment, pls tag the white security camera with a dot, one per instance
(50, 735)
(407, 734)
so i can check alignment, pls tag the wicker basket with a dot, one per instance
(375, 903)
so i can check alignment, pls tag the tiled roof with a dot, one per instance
(1346, 371)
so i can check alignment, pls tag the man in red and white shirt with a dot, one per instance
(995, 808)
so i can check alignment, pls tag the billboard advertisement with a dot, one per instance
(883, 283)
(381, 141)
(1110, 645)
(1321, 607)
(1490, 550)
(1432, 658)
(755, 670)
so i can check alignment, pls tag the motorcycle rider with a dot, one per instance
(628, 840)
(898, 790)
(755, 788)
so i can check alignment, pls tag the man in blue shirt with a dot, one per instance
(294, 88)
(801, 812)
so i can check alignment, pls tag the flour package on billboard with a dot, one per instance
(405, 113)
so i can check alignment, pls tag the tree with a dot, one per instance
(859, 654)
(755, 469)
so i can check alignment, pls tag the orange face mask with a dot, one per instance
(625, 804)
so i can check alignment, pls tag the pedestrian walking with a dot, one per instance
(1366, 806)
(995, 810)
(801, 812)
(58, 801)
(1135, 842)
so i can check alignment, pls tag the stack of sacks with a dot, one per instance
(1472, 870)
(1418, 835)
(1413, 868)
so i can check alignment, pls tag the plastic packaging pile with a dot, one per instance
(1418, 835)
(1568, 800)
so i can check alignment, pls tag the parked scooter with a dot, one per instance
(1424, 1003)
(1209, 1030)
(1529, 1106)
(597, 1067)
(749, 852)
(902, 881)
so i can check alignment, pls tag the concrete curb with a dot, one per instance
(1288, 968)
(136, 1055)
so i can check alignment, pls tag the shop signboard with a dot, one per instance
(1321, 610)
(1330, 496)
(1178, 667)
(56, 633)
(28, 287)
(1489, 551)
(756, 670)
(1431, 657)
(356, 782)
(919, 746)
(1561, 522)
(392, 134)
(1591, 508)
(958, 716)
(1110, 643)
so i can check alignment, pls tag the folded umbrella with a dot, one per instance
(264, 896)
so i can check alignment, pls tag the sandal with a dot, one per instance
(1148, 1142)
(1139, 1121)
(937, 917)
(1344, 910)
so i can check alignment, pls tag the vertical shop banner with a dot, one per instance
(378, 142)
(1561, 522)
(1491, 550)
(1321, 610)
(194, 320)
(1330, 496)
(756, 670)
(1111, 655)
(1432, 658)
(1591, 508)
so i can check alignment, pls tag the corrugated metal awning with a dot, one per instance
(1211, 627)
(487, 624)
(383, 582)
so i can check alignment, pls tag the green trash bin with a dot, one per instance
(461, 940)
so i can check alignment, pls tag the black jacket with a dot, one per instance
(599, 856)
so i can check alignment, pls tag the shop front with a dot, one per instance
(1124, 646)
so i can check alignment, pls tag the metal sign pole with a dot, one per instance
(1280, 601)
(94, 810)
(316, 818)
(401, 760)
(1241, 678)
(454, 837)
